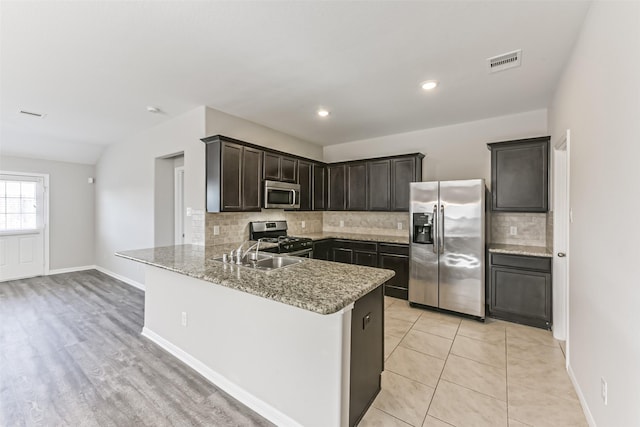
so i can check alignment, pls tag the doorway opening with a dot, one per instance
(169, 209)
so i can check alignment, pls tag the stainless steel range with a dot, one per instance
(276, 232)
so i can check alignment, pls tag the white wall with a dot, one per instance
(125, 199)
(71, 208)
(453, 152)
(125, 188)
(598, 98)
(219, 123)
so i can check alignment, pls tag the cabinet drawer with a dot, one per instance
(522, 261)
(357, 245)
(393, 248)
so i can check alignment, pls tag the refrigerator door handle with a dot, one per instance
(441, 231)
(434, 229)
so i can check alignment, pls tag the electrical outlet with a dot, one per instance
(341, 223)
(189, 211)
(603, 390)
(216, 230)
(513, 230)
(303, 224)
(399, 226)
(183, 320)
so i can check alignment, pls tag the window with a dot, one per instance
(20, 203)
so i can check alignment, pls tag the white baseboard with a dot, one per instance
(71, 269)
(583, 402)
(120, 277)
(248, 399)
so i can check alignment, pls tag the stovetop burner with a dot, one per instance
(276, 232)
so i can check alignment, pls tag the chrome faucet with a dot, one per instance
(238, 252)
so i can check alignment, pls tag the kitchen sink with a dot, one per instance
(262, 261)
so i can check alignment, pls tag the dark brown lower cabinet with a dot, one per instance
(367, 353)
(395, 257)
(322, 249)
(520, 289)
(344, 255)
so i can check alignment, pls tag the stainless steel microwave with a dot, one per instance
(281, 195)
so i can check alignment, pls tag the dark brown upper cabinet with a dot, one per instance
(388, 181)
(379, 185)
(280, 168)
(319, 187)
(336, 186)
(305, 179)
(404, 171)
(236, 170)
(234, 176)
(520, 175)
(356, 181)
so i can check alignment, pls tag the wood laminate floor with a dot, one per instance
(71, 353)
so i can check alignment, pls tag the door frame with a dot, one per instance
(45, 213)
(178, 206)
(561, 228)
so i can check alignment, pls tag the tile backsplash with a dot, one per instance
(531, 228)
(383, 223)
(234, 226)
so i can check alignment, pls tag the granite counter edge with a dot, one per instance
(323, 309)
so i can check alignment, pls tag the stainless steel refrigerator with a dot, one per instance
(447, 226)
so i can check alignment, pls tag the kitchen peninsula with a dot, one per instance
(301, 345)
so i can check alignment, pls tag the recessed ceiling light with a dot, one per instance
(323, 113)
(429, 84)
(154, 110)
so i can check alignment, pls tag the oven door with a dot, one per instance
(305, 253)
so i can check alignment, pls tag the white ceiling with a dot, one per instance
(94, 66)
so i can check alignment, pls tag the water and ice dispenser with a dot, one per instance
(423, 228)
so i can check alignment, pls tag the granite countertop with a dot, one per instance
(357, 236)
(520, 250)
(319, 286)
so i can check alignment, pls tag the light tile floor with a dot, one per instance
(443, 370)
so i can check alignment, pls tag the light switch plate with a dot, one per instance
(216, 230)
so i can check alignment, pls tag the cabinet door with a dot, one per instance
(319, 187)
(369, 259)
(342, 255)
(399, 264)
(272, 166)
(403, 172)
(520, 175)
(336, 187)
(288, 169)
(379, 185)
(322, 250)
(251, 179)
(231, 177)
(356, 186)
(306, 190)
(367, 353)
(520, 295)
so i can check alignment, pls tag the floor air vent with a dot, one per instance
(504, 61)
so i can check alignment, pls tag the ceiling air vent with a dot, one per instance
(504, 61)
(31, 114)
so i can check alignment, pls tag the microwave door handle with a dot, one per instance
(293, 197)
(434, 229)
